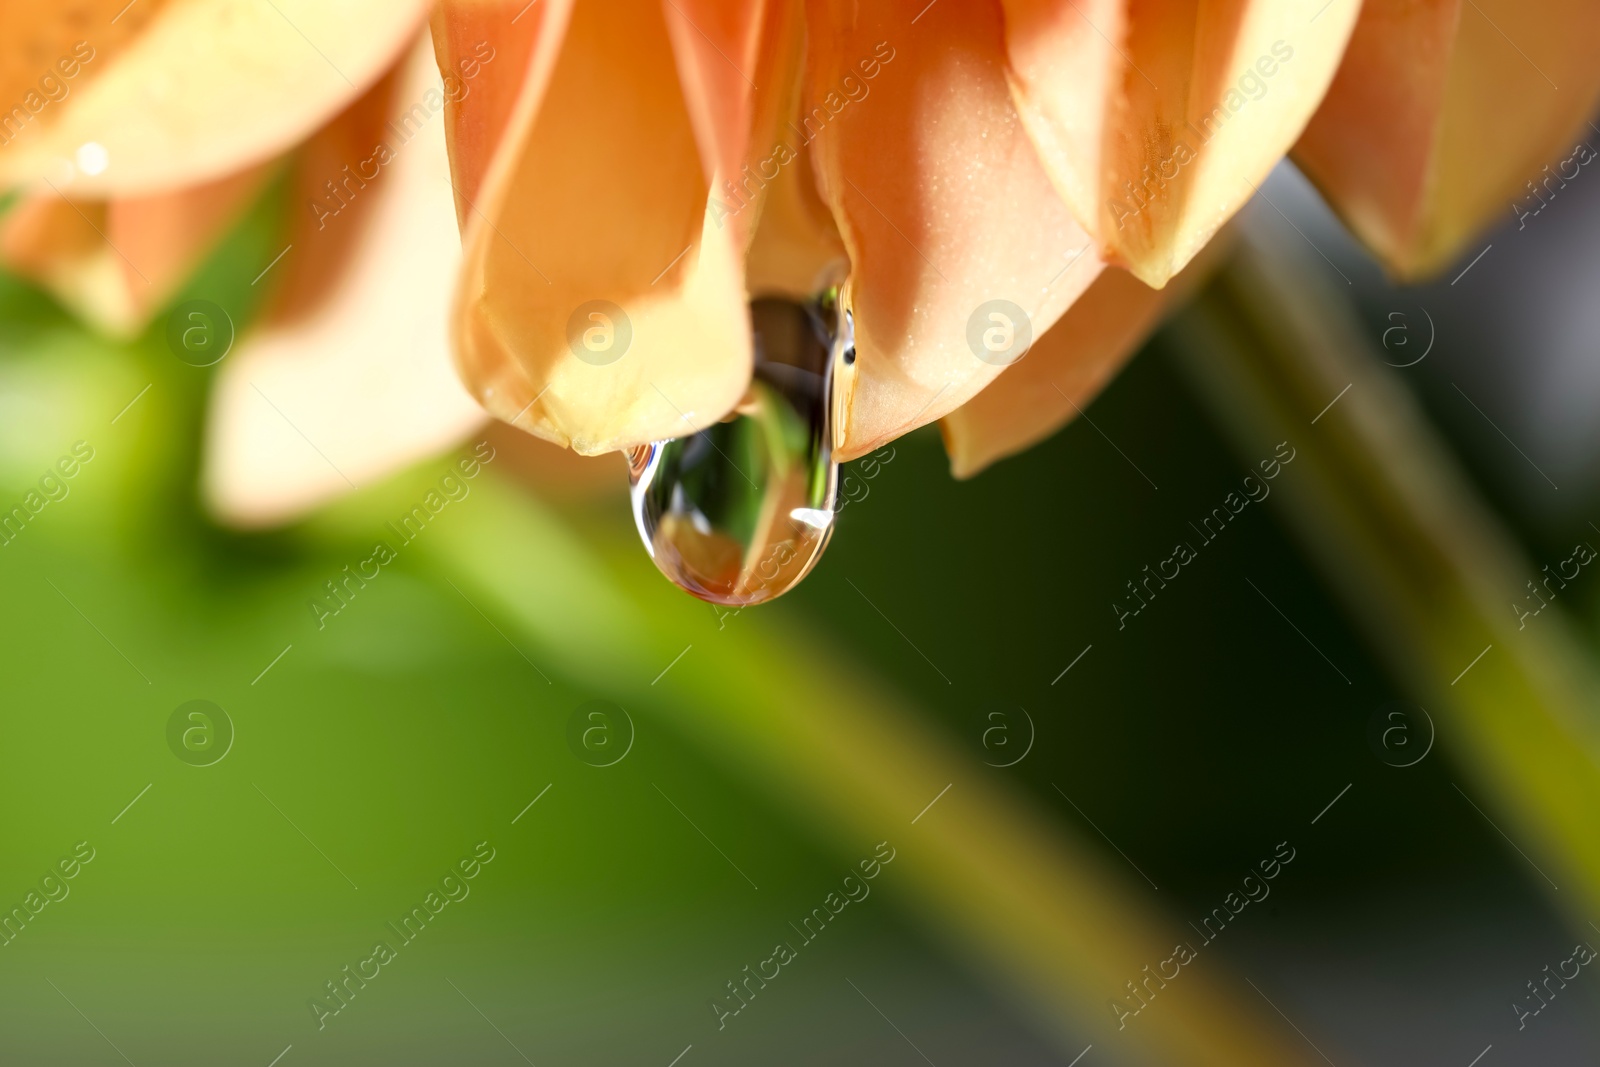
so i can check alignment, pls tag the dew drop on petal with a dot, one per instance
(740, 512)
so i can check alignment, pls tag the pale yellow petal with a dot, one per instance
(602, 304)
(48, 51)
(337, 392)
(1159, 118)
(206, 88)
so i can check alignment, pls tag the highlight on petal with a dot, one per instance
(348, 379)
(114, 263)
(1067, 367)
(602, 300)
(1157, 119)
(941, 200)
(205, 88)
(1445, 114)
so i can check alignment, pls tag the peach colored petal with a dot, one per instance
(51, 50)
(941, 201)
(1371, 144)
(1067, 367)
(207, 88)
(592, 226)
(796, 250)
(1157, 119)
(164, 235)
(115, 263)
(1445, 115)
(505, 32)
(716, 45)
(331, 214)
(330, 394)
(1066, 70)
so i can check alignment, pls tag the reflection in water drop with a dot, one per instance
(739, 512)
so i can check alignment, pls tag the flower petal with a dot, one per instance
(770, 195)
(207, 88)
(1158, 118)
(1066, 76)
(115, 263)
(51, 50)
(349, 377)
(941, 201)
(796, 250)
(718, 48)
(475, 122)
(601, 304)
(1064, 371)
(1445, 113)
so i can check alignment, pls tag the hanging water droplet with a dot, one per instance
(740, 512)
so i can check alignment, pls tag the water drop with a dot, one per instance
(740, 512)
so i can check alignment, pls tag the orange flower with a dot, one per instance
(1053, 162)
(677, 159)
(674, 158)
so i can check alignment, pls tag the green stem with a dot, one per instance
(987, 870)
(1419, 562)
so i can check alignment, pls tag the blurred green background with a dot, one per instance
(372, 754)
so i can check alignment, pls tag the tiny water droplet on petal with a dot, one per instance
(741, 511)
